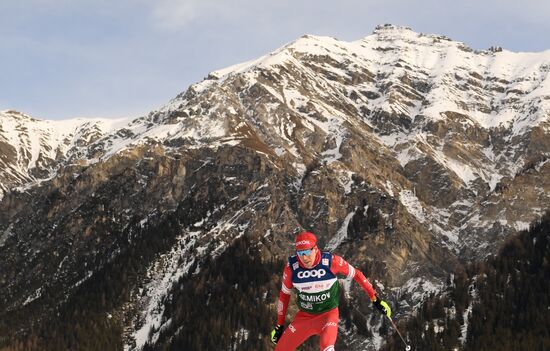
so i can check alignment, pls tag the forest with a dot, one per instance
(499, 304)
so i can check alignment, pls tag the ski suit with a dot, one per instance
(318, 298)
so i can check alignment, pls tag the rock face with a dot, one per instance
(406, 153)
(32, 150)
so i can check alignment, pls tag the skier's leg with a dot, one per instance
(329, 332)
(296, 333)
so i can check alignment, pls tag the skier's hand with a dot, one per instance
(382, 306)
(276, 333)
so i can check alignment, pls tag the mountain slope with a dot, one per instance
(501, 304)
(409, 154)
(32, 150)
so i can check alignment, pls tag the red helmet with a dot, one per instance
(305, 240)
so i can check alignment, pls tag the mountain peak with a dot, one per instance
(395, 34)
(408, 147)
(388, 27)
(17, 115)
(310, 44)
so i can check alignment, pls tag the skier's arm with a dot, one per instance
(284, 295)
(341, 266)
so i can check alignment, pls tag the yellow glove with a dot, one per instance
(382, 306)
(276, 333)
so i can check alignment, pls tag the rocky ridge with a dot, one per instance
(407, 153)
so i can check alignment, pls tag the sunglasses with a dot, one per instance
(304, 252)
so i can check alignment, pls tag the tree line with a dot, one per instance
(502, 303)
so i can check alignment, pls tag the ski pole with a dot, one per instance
(407, 346)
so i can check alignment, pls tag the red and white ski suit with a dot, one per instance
(307, 324)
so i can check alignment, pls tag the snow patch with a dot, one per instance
(412, 204)
(163, 273)
(340, 235)
(35, 295)
(420, 288)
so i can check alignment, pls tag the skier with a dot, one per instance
(313, 274)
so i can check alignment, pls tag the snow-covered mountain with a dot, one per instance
(32, 149)
(408, 153)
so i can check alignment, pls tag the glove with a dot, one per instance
(382, 306)
(276, 333)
